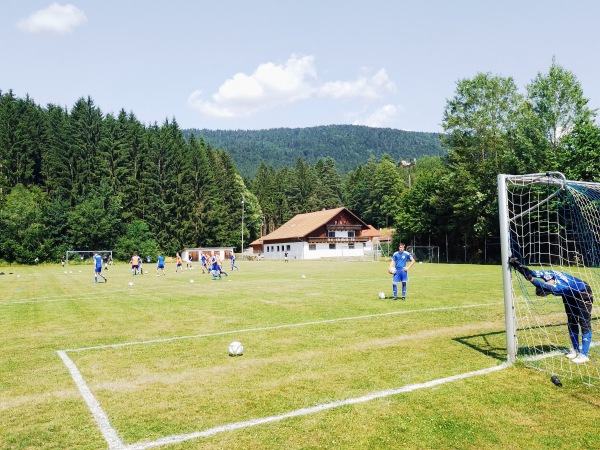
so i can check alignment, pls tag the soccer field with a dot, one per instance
(326, 363)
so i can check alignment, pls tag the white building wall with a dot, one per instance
(300, 250)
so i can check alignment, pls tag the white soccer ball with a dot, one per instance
(131, 283)
(303, 276)
(191, 281)
(382, 295)
(236, 349)
(392, 270)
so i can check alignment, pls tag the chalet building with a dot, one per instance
(330, 233)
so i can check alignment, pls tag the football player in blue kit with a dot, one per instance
(98, 267)
(401, 262)
(577, 299)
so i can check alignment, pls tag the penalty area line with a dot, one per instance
(108, 432)
(175, 439)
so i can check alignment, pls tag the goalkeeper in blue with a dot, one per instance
(577, 298)
(401, 262)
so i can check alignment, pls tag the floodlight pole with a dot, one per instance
(408, 165)
(242, 252)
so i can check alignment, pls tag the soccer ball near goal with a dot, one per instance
(382, 295)
(236, 349)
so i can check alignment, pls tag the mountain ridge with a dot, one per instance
(348, 145)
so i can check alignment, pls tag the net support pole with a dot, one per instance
(509, 307)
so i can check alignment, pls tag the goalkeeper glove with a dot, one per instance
(514, 262)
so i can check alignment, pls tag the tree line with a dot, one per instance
(81, 179)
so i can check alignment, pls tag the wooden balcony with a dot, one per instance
(336, 240)
(340, 227)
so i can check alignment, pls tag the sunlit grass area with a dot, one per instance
(154, 358)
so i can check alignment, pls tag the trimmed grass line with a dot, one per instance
(275, 327)
(314, 409)
(108, 432)
(77, 296)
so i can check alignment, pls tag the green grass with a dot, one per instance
(308, 341)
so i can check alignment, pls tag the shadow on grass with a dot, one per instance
(537, 350)
(490, 344)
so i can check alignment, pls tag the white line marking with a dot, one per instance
(276, 327)
(174, 439)
(115, 443)
(108, 432)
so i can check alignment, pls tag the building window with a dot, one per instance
(331, 246)
(351, 245)
(287, 247)
(331, 234)
(278, 248)
(312, 246)
(351, 234)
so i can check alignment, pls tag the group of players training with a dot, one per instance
(211, 264)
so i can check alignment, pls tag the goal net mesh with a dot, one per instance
(85, 256)
(554, 224)
(425, 253)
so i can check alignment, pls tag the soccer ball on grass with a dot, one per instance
(382, 295)
(236, 349)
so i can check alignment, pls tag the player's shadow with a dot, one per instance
(490, 344)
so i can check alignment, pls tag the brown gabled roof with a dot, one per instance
(371, 232)
(384, 234)
(302, 225)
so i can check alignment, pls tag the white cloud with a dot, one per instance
(380, 118)
(270, 85)
(368, 88)
(273, 85)
(56, 18)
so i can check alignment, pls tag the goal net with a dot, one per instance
(549, 224)
(85, 256)
(425, 253)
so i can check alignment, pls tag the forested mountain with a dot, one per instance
(348, 145)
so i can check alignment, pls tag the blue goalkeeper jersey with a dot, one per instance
(564, 284)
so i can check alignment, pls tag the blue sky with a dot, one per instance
(244, 64)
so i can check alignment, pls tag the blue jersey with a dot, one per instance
(401, 259)
(161, 261)
(98, 261)
(564, 285)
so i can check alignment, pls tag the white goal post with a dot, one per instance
(549, 223)
(85, 255)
